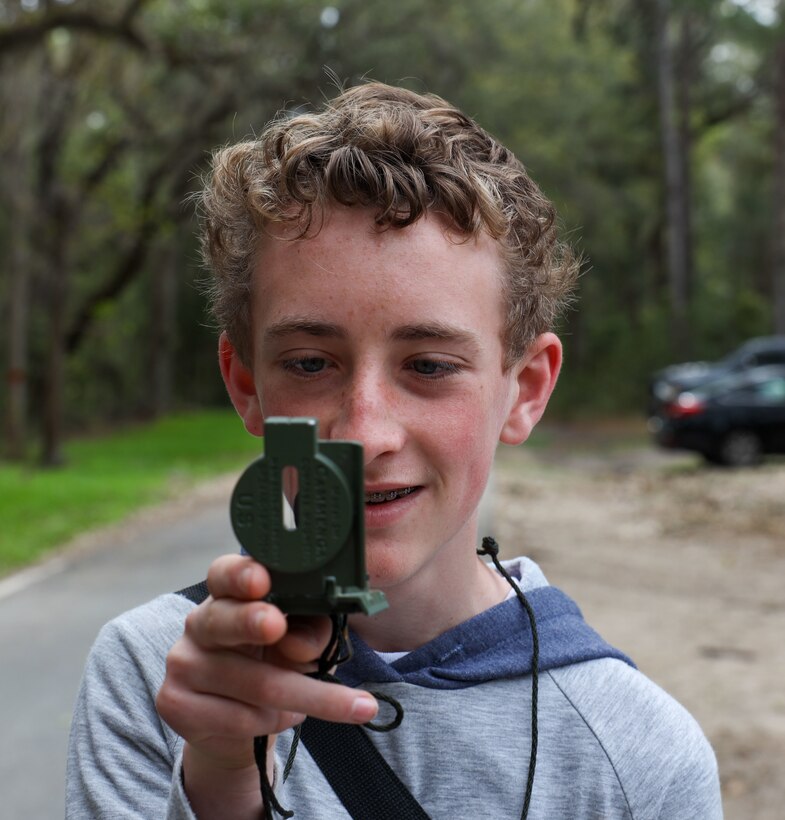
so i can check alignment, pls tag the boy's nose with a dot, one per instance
(368, 413)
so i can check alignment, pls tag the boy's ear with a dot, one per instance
(239, 381)
(535, 377)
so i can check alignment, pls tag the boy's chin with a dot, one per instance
(386, 567)
(393, 567)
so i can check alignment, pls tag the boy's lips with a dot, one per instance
(390, 504)
(381, 495)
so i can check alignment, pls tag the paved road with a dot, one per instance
(48, 620)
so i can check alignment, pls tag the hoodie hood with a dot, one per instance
(494, 645)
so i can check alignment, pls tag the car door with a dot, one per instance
(757, 405)
(770, 412)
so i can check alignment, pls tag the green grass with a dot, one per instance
(107, 477)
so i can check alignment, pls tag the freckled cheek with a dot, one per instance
(460, 431)
(275, 401)
(466, 453)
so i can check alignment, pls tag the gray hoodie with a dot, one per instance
(611, 743)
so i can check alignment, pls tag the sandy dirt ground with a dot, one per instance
(679, 565)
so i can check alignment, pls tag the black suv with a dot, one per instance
(666, 384)
(733, 419)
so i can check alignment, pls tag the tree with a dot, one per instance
(15, 100)
(778, 266)
(676, 165)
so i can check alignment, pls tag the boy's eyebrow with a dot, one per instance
(437, 331)
(289, 327)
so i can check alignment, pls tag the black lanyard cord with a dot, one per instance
(337, 651)
(491, 548)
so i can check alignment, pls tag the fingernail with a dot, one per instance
(364, 709)
(259, 619)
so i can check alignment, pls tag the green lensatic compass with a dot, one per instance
(300, 511)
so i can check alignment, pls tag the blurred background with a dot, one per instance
(658, 129)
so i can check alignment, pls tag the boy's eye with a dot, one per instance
(309, 364)
(433, 367)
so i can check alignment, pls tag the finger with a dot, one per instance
(304, 641)
(263, 685)
(225, 622)
(238, 576)
(209, 720)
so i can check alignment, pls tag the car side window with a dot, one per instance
(770, 357)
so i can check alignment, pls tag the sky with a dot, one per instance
(765, 11)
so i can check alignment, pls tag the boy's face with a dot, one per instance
(393, 339)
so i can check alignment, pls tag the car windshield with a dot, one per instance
(756, 352)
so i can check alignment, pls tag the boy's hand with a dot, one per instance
(236, 674)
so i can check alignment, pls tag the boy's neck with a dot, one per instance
(425, 607)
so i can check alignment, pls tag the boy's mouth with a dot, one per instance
(388, 495)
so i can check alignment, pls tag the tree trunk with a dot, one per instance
(163, 331)
(54, 374)
(18, 321)
(676, 206)
(685, 79)
(778, 266)
(18, 96)
(55, 214)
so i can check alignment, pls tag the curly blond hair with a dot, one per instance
(401, 154)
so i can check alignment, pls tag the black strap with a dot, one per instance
(196, 593)
(363, 780)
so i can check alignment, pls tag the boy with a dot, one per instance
(386, 267)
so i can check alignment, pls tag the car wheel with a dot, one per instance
(740, 448)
